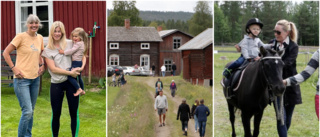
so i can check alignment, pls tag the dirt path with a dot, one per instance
(166, 130)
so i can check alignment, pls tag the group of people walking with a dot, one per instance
(199, 112)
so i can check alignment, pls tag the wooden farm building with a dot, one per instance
(72, 13)
(128, 45)
(197, 59)
(169, 53)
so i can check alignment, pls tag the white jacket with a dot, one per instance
(163, 68)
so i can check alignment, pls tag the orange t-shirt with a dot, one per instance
(28, 54)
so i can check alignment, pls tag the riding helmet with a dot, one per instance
(253, 21)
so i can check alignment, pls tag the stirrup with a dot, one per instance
(227, 94)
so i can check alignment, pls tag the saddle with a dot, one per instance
(230, 83)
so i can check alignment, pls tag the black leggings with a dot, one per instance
(56, 97)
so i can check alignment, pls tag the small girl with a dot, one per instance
(114, 79)
(78, 50)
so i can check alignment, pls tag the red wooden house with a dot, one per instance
(169, 53)
(72, 13)
(129, 45)
(197, 59)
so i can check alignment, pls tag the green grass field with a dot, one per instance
(304, 120)
(92, 113)
(130, 110)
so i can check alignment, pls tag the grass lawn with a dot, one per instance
(130, 110)
(304, 121)
(92, 112)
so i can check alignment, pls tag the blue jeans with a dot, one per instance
(237, 63)
(202, 127)
(163, 73)
(26, 91)
(173, 72)
(73, 80)
(287, 115)
(184, 125)
(196, 123)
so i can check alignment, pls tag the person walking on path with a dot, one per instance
(173, 88)
(202, 112)
(153, 69)
(156, 86)
(174, 68)
(196, 123)
(184, 113)
(163, 70)
(161, 105)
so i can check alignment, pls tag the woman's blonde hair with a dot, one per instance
(289, 26)
(33, 18)
(83, 36)
(63, 41)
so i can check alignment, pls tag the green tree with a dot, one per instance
(233, 12)
(221, 28)
(307, 22)
(124, 10)
(153, 24)
(201, 19)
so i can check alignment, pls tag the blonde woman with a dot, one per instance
(286, 35)
(59, 65)
(27, 69)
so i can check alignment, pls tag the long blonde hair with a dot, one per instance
(83, 36)
(289, 26)
(63, 41)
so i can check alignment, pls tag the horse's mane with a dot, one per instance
(273, 52)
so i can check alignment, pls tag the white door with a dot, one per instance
(144, 61)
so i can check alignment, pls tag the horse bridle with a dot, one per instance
(269, 86)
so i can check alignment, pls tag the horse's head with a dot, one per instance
(272, 67)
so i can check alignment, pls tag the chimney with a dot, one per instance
(159, 28)
(127, 23)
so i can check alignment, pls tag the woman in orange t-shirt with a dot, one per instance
(27, 69)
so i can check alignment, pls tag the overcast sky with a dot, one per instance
(164, 5)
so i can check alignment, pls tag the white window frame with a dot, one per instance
(114, 47)
(168, 69)
(147, 44)
(114, 55)
(148, 56)
(176, 42)
(34, 4)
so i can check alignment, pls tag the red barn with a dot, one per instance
(169, 53)
(72, 13)
(130, 45)
(197, 59)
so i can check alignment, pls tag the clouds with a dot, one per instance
(173, 5)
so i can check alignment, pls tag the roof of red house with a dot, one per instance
(133, 34)
(201, 41)
(165, 33)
